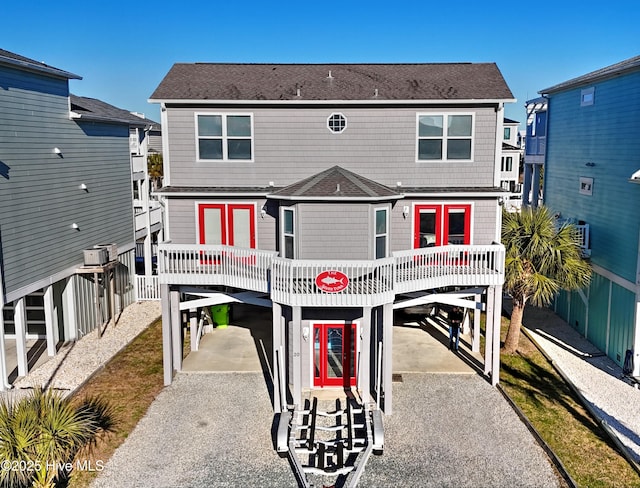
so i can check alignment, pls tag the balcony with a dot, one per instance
(155, 217)
(368, 283)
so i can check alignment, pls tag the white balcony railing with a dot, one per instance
(366, 282)
(155, 217)
(147, 288)
(138, 163)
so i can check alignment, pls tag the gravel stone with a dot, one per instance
(214, 430)
(75, 362)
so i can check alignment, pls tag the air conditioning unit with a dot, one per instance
(112, 250)
(96, 257)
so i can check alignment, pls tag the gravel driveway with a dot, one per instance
(213, 430)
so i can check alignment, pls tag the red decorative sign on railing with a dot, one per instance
(332, 281)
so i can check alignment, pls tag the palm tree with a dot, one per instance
(155, 169)
(42, 432)
(541, 259)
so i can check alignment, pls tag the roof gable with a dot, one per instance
(339, 82)
(336, 183)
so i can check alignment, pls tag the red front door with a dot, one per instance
(334, 361)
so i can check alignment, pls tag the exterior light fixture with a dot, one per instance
(263, 211)
(58, 151)
(83, 187)
(75, 226)
(405, 211)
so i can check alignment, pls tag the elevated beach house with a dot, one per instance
(334, 194)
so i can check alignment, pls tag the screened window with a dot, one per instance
(224, 137)
(381, 233)
(446, 137)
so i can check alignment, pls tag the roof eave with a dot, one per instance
(470, 101)
(50, 70)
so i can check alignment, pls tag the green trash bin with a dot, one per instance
(220, 315)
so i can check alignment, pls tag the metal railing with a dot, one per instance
(331, 283)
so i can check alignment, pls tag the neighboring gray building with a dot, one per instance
(335, 194)
(65, 186)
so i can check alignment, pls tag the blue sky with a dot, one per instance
(123, 49)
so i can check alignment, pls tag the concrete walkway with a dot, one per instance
(598, 379)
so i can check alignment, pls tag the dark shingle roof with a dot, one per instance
(16, 60)
(510, 121)
(322, 82)
(336, 183)
(94, 109)
(509, 147)
(598, 75)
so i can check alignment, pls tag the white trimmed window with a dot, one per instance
(224, 137)
(288, 234)
(381, 233)
(337, 123)
(445, 137)
(507, 163)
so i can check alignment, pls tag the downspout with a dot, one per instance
(636, 320)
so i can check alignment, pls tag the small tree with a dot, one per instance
(42, 432)
(541, 259)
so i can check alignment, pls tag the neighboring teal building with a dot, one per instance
(592, 177)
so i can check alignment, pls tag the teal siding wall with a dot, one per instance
(39, 191)
(578, 313)
(606, 134)
(562, 305)
(621, 324)
(598, 311)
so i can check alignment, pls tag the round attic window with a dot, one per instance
(337, 123)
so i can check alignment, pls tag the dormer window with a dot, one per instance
(337, 123)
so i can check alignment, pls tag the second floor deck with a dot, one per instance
(357, 283)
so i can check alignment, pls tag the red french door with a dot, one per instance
(334, 361)
(233, 224)
(440, 225)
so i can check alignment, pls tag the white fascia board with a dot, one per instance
(204, 193)
(471, 101)
(470, 194)
(335, 199)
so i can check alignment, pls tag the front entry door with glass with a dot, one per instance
(334, 361)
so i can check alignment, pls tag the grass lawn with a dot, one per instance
(130, 381)
(584, 448)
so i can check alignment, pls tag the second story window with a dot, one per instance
(507, 163)
(507, 133)
(224, 137)
(446, 137)
(336, 123)
(288, 233)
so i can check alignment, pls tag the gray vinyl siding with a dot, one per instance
(293, 143)
(155, 142)
(334, 231)
(39, 191)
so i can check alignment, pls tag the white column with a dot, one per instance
(20, 320)
(167, 359)
(535, 189)
(526, 185)
(278, 362)
(489, 331)
(475, 339)
(364, 368)
(497, 312)
(297, 360)
(4, 376)
(193, 328)
(176, 330)
(49, 321)
(387, 337)
(70, 319)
